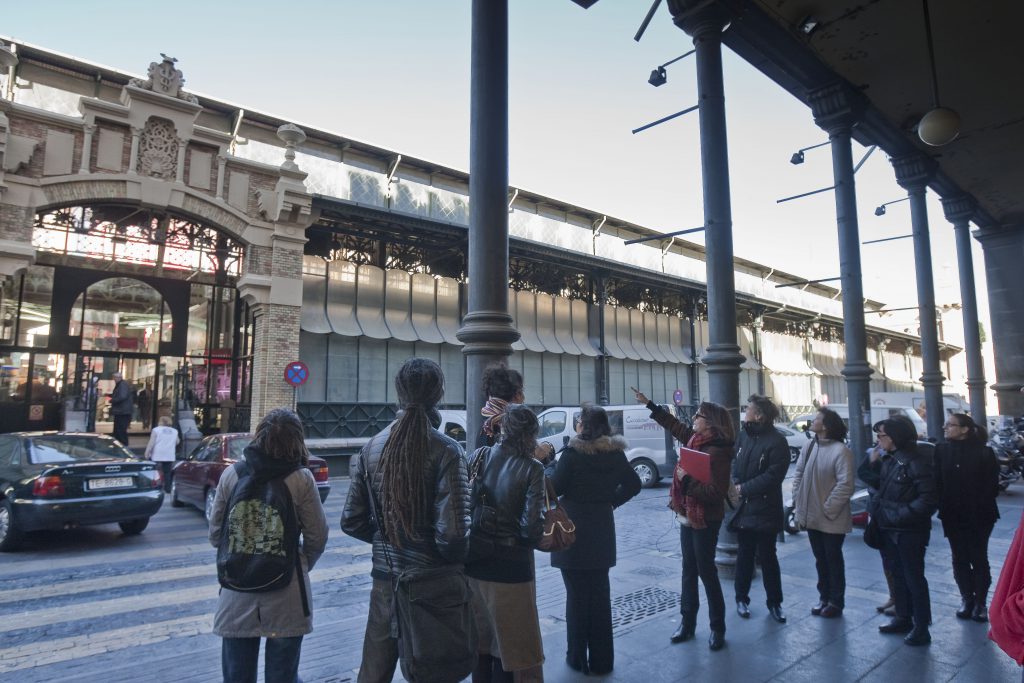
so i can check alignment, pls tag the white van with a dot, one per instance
(950, 402)
(878, 413)
(652, 451)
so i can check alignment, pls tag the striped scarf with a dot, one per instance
(492, 412)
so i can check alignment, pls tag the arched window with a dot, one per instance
(121, 314)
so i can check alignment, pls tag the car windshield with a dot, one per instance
(75, 448)
(237, 446)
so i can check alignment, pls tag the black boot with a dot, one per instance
(716, 641)
(897, 625)
(687, 629)
(918, 636)
(966, 608)
(980, 613)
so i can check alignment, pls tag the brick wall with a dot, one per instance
(16, 223)
(276, 340)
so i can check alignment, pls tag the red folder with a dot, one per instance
(696, 464)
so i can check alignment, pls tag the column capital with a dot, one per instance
(913, 171)
(999, 236)
(959, 208)
(698, 19)
(837, 107)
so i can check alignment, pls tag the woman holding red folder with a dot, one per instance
(700, 507)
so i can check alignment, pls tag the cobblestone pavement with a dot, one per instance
(92, 605)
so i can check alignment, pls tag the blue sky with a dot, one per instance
(397, 74)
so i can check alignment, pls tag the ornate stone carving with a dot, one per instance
(914, 171)
(959, 208)
(158, 149)
(836, 107)
(164, 79)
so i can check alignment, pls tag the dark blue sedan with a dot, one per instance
(54, 480)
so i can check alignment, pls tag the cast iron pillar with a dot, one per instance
(487, 330)
(837, 109)
(913, 173)
(601, 376)
(705, 24)
(1003, 246)
(959, 211)
(722, 357)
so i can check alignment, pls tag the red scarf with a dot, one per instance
(685, 505)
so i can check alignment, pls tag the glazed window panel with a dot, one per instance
(36, 296)
(9, 287)
(342, 369)
(124, 314)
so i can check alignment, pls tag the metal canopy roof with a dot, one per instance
(879, 47)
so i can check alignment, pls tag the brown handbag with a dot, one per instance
(559, 530)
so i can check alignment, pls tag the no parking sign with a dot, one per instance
(296, 373)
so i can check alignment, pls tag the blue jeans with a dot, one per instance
(240, 657)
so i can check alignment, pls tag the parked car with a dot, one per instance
(57, 480)
(796, 439)
(878, 413)
(195, 479)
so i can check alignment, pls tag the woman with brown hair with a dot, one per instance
(967, 479)
(700, 508)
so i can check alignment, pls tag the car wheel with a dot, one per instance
(10, 535)
(208, 508)
(175, 502)
(647, 471)
(794, 454)
(133, 527)
(791, 527)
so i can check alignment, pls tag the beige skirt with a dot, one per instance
(506, 617)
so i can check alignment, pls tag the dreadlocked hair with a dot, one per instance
(519, 429)
(405, 494)
(280, 435)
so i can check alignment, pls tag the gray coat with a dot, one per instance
(822, 487)
(275, 614)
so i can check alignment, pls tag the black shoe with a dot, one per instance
(980, 613)
(743, 610)
(918, 636)
(897, 625)
(831, 612)
(716, 641)
(966, 609)
(776, 613)
(816, 610)
(683, 633)
(577, 665)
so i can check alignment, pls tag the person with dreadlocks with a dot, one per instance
(280, 616)
(421, 489)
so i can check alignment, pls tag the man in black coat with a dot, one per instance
(122, 405)
(762, 458)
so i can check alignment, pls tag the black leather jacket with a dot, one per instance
(903, 495)
(446, 540)
(762, 459)
(514, 487)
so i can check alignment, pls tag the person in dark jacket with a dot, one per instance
(593, 477)
(421, 488)
(503, 387)
(700, 509)
(967, 480)
(903, 500)
(762, 459)
(508, 504)
(122, 405)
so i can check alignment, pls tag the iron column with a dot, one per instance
(836, 109)
(913, 173)
(959, 211)
(1003, 245)
(487, 330)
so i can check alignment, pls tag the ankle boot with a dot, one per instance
(918, 636)
(897, 625)
(966, 608)
(685, 632)
(980, 612)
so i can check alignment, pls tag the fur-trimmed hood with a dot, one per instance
(602, 444)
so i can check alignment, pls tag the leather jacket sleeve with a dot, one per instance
(355, 517)
(531, 524)
(451, 506)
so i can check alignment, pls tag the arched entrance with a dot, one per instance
(151, 295)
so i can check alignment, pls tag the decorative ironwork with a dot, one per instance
(345, 420)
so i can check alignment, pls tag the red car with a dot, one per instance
(194, 480)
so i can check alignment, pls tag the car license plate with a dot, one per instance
(110, 483)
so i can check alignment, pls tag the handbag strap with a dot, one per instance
(378, 520)
(549, 495)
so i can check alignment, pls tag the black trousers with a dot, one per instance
(761, 544)
(698, 546)
(120, 432)
(828, 560)
(905, 551)
(970, 561)
(588, 617)
(167, 469)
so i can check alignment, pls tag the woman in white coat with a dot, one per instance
(822, 487)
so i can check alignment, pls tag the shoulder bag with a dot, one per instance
(559, 530)
(432, 616)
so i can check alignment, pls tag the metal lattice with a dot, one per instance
(633, 608)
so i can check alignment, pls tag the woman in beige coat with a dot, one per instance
(822, 487)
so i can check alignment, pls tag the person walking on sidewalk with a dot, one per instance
(509, 481)
(700, 509)
(967, 480)
(593, 477)
(903, 500)
(122, 405)
(163, 447)
(762, 459)
(822, 487)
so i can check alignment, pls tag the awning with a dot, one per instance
(424, 308)
(341, 298)
(448, 314)
(370, 301)
(314, 304)
(545, 307)
(398, 305)
(783, 354)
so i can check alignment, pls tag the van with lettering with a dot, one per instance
(652, 451)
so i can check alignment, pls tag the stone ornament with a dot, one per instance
(164, 79)
(158, 149)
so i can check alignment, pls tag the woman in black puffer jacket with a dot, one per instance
(762, 458)
(903, 500)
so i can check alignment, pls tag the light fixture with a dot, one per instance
(880, 209)
(659, 76)
(808, 25)
(941, 125)
(798, 156)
